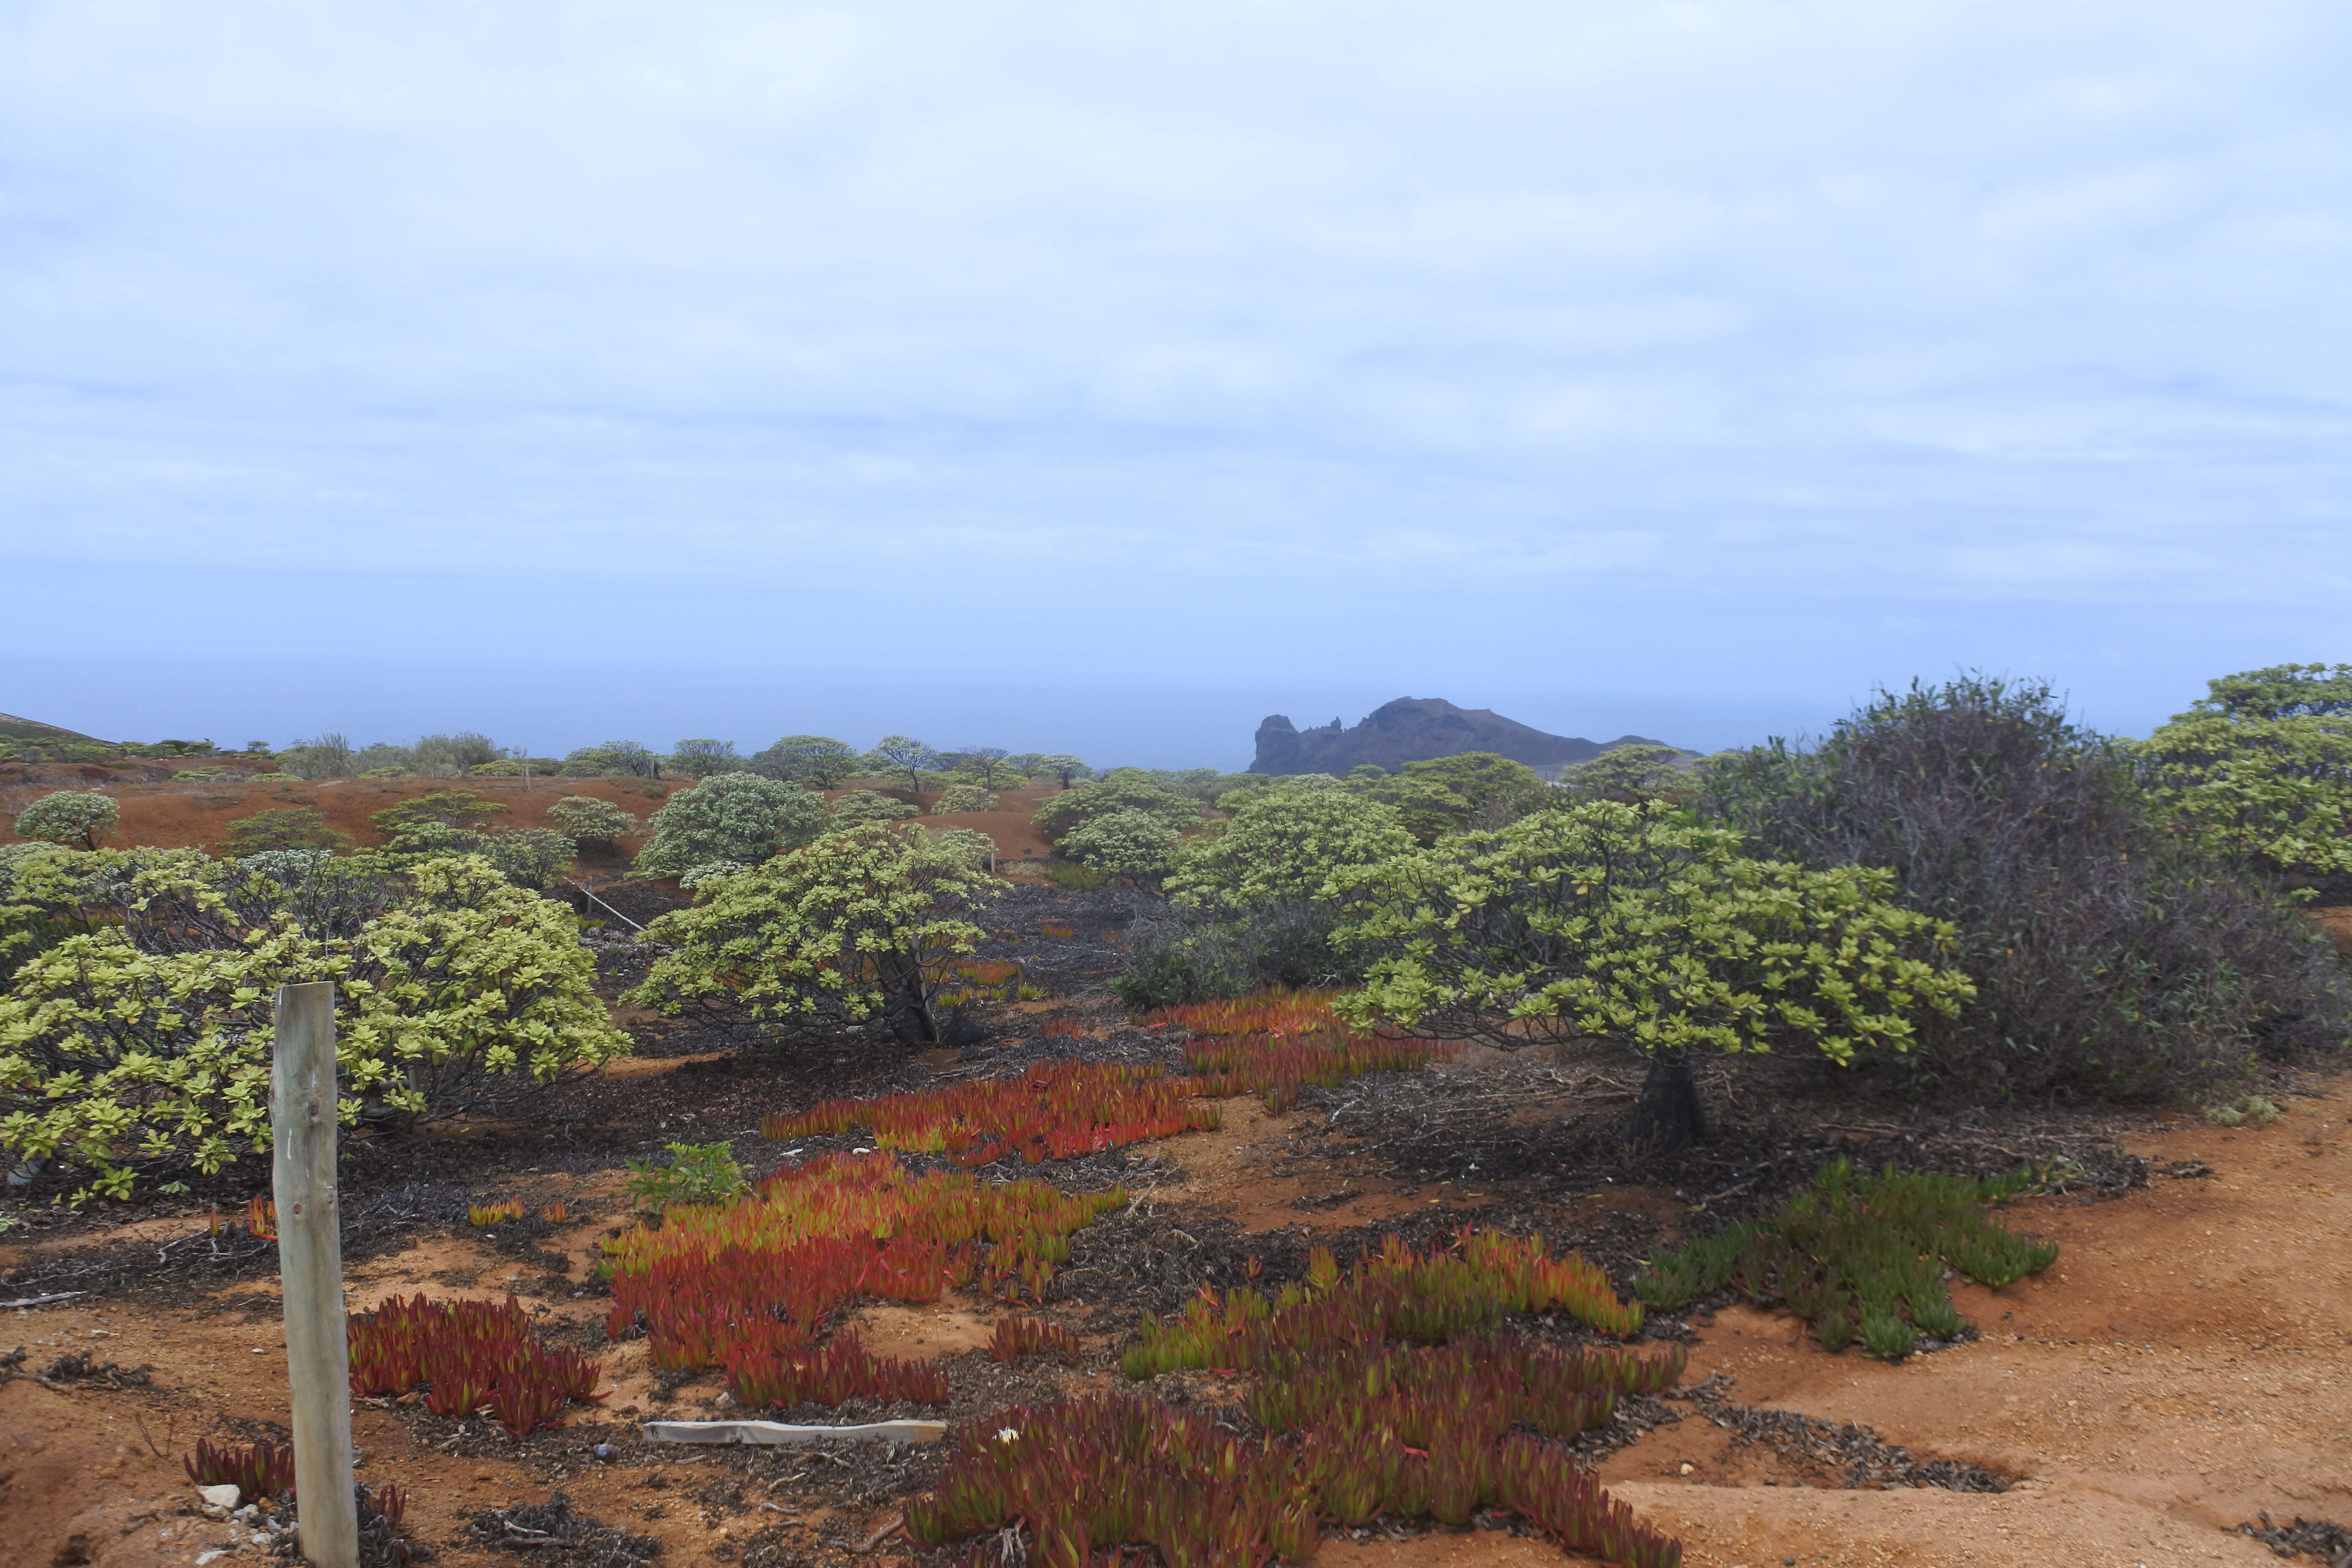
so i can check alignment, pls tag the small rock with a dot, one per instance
(602, 1451)
(224, 1496)
(214, 1555)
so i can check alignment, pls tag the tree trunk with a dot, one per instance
(1668, 1118)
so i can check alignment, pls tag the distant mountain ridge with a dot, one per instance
(1415, 729)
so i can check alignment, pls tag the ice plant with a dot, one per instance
(471, 1353)
(1054, 1111)
(1860, 1255)
(774, 1264)
(1109, 1470)
(1393, 1295)
(763, 1370)
(498, 1213)
(261, 1217)
(257, 1470)
(1016, 1337)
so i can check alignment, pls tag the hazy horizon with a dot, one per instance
(1105, 380)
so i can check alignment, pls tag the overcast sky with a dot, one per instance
(1105, 377)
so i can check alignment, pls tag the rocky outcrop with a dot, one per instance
(1412, 729)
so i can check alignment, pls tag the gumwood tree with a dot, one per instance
(818, 761)
(1062, 766)
(701, 758)
(1134, 846)
(2261, 768)
(1118, 792)
(141, 1044)
(591, 821)
(282, 828)
(1630, 774)
(1284, 842)
(1634, 924)
(738, 816)
(895, 755)
(77, 817)
(990, 767)
(860, 926)
(1476, 789)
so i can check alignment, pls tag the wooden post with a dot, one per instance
(311, 1271)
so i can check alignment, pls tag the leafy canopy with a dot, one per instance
(80, 817)
(1127, 842)
(869, 805)
(592, 821)
(1442, 795)
(860, 926)
(282, 828)
(1283, 841)
(141, 1045)
(737, 816)
(1121, 790)
(2261, 768)
(1633, 923)
(896, 756)
(818, 761)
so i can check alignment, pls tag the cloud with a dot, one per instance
(1478, 309)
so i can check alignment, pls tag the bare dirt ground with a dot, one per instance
(2181, 1370)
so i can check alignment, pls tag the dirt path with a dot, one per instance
(2183, 1367)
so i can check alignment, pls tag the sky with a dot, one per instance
(1106, 377)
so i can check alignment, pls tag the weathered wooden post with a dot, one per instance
(311, 1271)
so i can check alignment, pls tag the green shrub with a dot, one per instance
(1282, 844)
(622, 757)
(964, 798)
(1630, 923)
(1124, 790)
(1133, 844)
(392, 772)
(819, 762)
(1076, 877)
(860, 926)
(327, 757)
(1631, 774)
(282, 828)
(702, 759)
(2113, 956)
(1875, 1246)
(869, 805)
(697, 1174)
(740, 816)
(591, 821)
(143, 1045)
(1444, 794)
(2261, 769)
(459, 808)
(80, 817)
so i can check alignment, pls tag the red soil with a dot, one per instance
(2183, 1367)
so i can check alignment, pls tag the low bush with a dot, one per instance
(1133, 845)
(82, 817)
(740, 816)
(861, 925)
(869, 805)
(1860, 1255)
(282, 828)
(141, 1044)
(2113, 956)
(964, 798)
(817, 761)
(1122, 791)
(703, 759)
(697, 1174)
(591, 823)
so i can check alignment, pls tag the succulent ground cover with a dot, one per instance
(1861, 1256)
